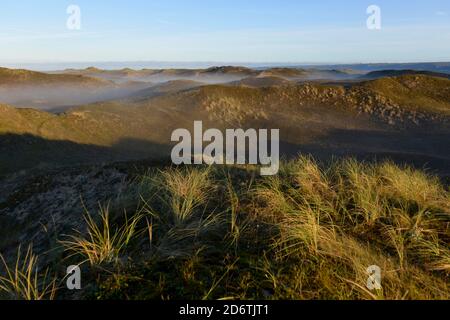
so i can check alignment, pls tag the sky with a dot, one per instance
(289, 31)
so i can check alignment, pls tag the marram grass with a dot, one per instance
(310, 232)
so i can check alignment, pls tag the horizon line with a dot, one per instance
(186, 64)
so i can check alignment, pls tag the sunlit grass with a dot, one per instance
(24, 280)
(310, 232)
(102, 242)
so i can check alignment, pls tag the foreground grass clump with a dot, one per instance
(24, 281)
(103, 243)
(311, 232)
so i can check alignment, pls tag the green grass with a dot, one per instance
(417, 92)
(310, 232)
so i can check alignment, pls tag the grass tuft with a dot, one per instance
(102, 243)
(24, 281)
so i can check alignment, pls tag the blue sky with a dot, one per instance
(325, 31)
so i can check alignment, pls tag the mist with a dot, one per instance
(128, 84)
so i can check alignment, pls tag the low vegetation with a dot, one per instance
(25, 280)
(310, 232)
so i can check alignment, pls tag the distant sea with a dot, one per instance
(443, 67)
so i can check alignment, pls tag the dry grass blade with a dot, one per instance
(24, 281)
(103, 243)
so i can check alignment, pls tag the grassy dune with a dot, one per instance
(14, 77)
(226, 233)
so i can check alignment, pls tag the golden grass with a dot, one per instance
(103, 243)
(184, 191)
(353, 215)
(311, 232)
(24, 281)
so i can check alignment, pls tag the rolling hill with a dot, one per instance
(61, 90)
(262, 81)
(18, 77)
(396, 73)
(115, 154)
(210, 75)
(406, 117)
(213, 75)
(23, 88)
(166, 88)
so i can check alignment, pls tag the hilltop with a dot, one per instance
(166, 88)
(58, 92)
(406, 100)
(19, 77)
(262, 81)
(220, 74)
(396, 73)
(213, 74)
(415, 92)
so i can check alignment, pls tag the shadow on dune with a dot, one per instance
(419, 149)
(19, 152)
(422, 150)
